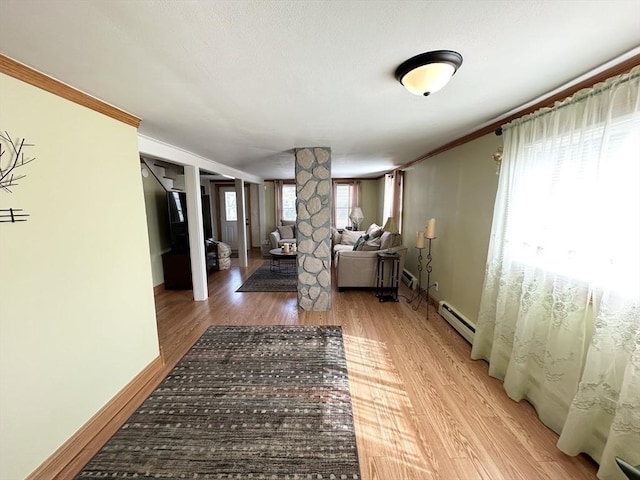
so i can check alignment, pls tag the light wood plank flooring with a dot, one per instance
(422, 408)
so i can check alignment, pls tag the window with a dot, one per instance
(342, 205)
(575, 205)
(288, 201)
(230, 210)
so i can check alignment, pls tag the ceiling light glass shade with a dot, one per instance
(428, 72)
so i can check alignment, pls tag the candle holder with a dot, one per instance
(421, 294)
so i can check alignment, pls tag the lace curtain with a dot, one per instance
(559, 319)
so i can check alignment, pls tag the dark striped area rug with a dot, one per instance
(245, 403)
(264, 279)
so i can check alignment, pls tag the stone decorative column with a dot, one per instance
(313, 203)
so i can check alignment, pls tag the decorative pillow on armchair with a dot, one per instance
(286, 232)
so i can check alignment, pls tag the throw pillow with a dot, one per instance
(359, 243)
(373, 227)
(350, 237)
(387, 240)
(375, 233)
(286, 232)
(337, 237)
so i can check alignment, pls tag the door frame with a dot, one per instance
(247, 195)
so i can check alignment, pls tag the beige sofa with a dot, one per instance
(358, 268)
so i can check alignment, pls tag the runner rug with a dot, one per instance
(264, 279)
(245, 403)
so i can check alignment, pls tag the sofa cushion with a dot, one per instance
(350, 237)
(286, 232)
(371, 245)
(337, 237)
(342, 248)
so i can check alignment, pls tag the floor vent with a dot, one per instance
(409, 280)
(457, 321)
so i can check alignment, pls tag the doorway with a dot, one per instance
(228, 215)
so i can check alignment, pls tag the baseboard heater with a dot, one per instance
(458, 321)
(409, 280)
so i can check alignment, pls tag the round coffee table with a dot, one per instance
(283, 263)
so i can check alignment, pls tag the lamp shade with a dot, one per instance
(356, 216)
(390, 226)
(428, 72)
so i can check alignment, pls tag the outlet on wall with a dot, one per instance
(435, 284)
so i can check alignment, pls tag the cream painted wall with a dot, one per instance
(155, 200)
(369, 202)
(270, 207)
(458, 189)
(254, 212)
(77, 318)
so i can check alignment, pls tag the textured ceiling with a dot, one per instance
(244, 82)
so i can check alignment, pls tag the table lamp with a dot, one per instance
(356, 217)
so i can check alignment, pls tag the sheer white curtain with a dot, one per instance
(356, 193)
(277, 204)
(393, 191)
(559, 318)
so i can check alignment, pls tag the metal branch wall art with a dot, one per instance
(12, 158)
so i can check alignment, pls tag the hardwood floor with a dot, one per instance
(422, 408)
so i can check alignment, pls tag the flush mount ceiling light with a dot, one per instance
(428, 72)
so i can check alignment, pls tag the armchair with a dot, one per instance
(285, 233)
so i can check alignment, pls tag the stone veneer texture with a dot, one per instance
(313, 203)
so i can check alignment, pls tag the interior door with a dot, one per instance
(229, 217)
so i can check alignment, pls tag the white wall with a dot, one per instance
(77, 318)
(155, 199)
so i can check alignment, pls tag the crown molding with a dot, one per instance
(15, 69)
